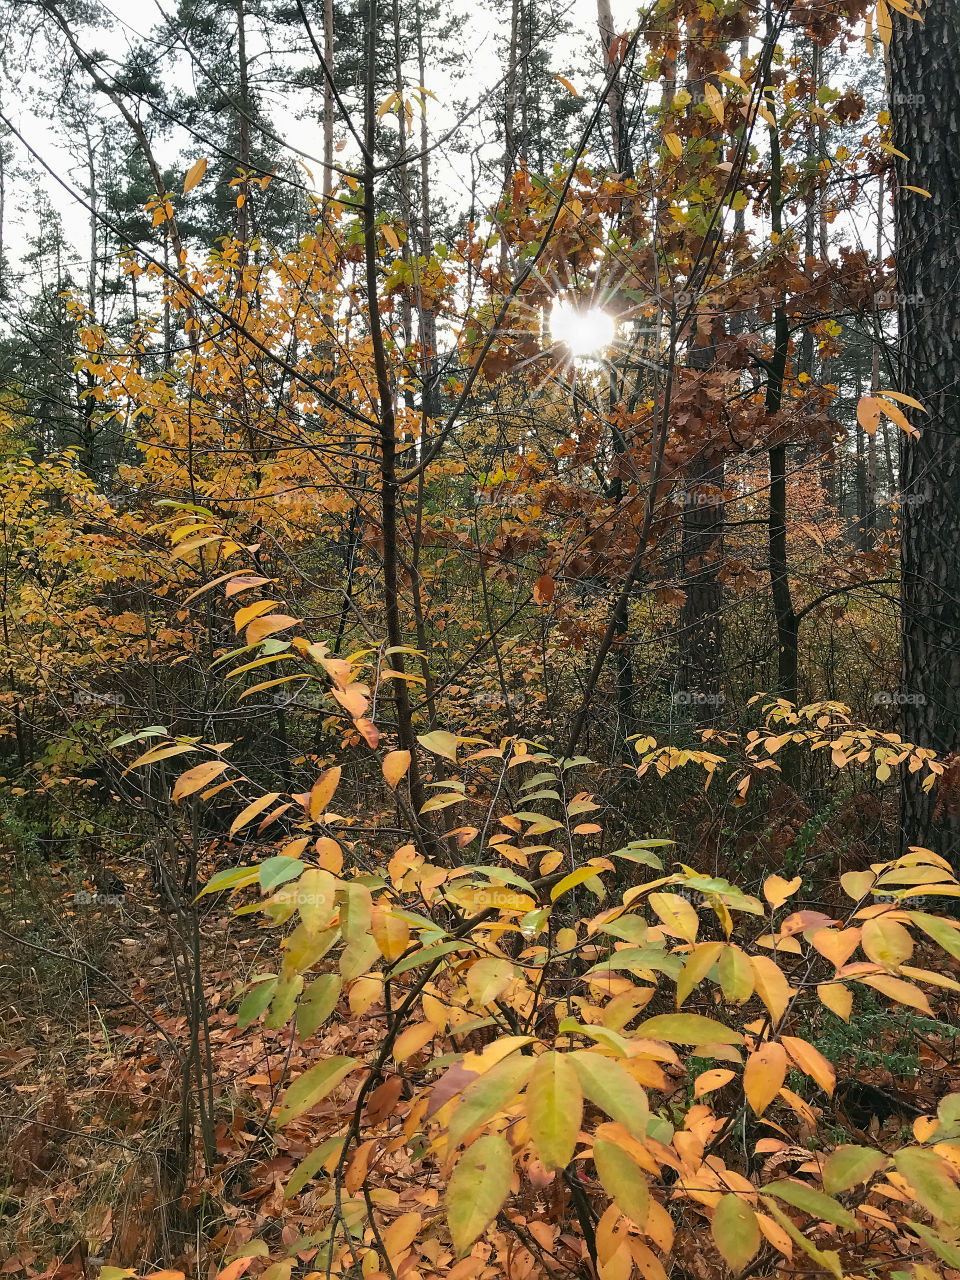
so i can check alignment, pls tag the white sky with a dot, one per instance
(483, 38)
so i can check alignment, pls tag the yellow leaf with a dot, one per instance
(776, 890)
(677, 914)
(713, 100)
(771, 985)
(194, 174)
(395, 765)
(390, 932)
(263, 627)
(197, 778)
(391, 237)
(837, 998)
(251, 611)
(674, 145)
(886, 942)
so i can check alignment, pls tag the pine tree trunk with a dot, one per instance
(925, 107)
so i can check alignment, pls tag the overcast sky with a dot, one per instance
(133, 19)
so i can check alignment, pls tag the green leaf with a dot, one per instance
(232, 878)
(276, 871)
(477, 1189)
(622, 1180)
(828, 1259)
(255, 1002)
(735, 1231)
(813, 1202)
(849, 1165)
(284, 1002)
(950, 1253)
(608, 1084)
(941, 931)
(317, 1003)
(308, 1167)
(554, 1109)
(688, 1028)
(929, 1176)
(312, 1087)
(487, 1096)
(426, 956)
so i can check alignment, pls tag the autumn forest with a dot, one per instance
(480, 652)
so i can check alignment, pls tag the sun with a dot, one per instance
(586, 332)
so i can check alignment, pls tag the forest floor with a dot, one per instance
(91, 1089)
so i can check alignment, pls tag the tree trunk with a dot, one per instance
(925, 108)
(328, 101)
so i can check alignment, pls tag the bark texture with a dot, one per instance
(925, 106)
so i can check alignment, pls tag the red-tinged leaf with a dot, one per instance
(477, 1190)
(368, 731)
(544, 589)
(234, 1269)
(566, 84)
(735, 1231)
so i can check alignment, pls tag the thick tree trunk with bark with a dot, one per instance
(925, 106)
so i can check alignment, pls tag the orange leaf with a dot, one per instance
(764, 1074)
(196, 779)
(322, 791)
(811, 1062)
